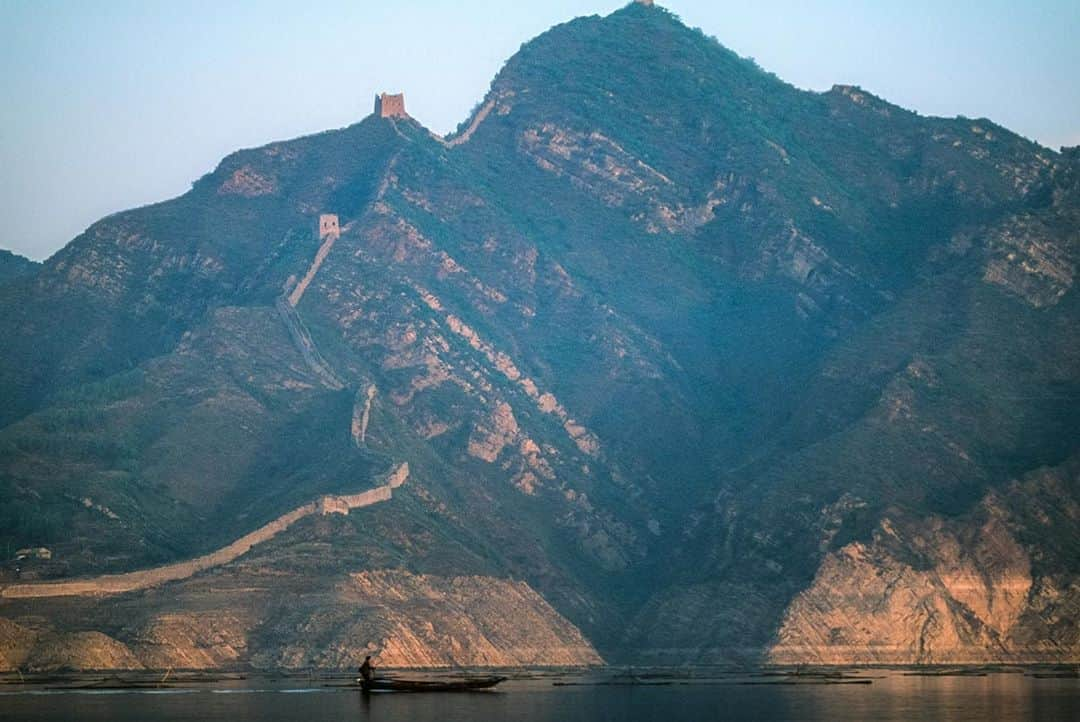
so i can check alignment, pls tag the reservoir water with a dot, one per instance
(890, 695)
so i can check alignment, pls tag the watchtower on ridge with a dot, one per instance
(328, 226)
(390, 106)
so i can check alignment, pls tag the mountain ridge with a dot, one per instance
(670, 340)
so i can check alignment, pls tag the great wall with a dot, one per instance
(388, 105)
(301, 338)
(391, 107)
(107, 584)
(481, 114)
(329, 231)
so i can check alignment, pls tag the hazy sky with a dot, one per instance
(112, 104)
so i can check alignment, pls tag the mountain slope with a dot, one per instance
(13, 266)
(693, 353)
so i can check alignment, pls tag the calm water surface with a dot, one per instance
(891, 696)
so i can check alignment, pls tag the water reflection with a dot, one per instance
(891, 696)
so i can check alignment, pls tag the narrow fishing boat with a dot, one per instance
(465, 684)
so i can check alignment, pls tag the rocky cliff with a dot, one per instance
(248, 619)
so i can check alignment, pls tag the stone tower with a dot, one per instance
(390, 106)
(328, 226)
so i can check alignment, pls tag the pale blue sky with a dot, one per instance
(109, 105)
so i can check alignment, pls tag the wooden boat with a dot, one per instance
(464, 684)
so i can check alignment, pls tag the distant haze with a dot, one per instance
(112, 105)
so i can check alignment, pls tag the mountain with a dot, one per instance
(685, 364)
(13, 265)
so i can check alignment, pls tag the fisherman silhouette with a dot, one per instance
(367, 669)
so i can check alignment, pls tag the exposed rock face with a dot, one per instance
(16, 642)
(80, 650)
(1034, 254)
(866, 606)
(488, 440)
(402, 619)
(938, 592)
(408, 620)
(192, 640)
(246, 182)
(36, 650)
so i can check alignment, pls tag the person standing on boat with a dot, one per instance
(367, 669)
